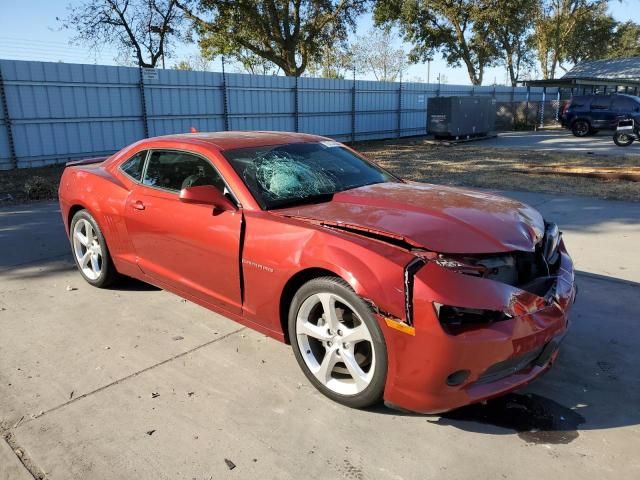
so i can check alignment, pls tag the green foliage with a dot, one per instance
(288, 33)
(560, 25)
(455, 28)
(183, 65)
(509, 24)
(626, 41)
(513, 33)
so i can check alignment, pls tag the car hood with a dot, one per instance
(433, 217)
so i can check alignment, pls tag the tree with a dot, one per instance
(509, 23)
(626, 42)
(596, 25)
(144, 28)
(335, 62)
(375, 53)
(193, 63)
(288, 33)
(251, 63)
(183, 65)
(453, 27)
(559, 24)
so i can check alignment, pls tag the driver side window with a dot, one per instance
(173, 170)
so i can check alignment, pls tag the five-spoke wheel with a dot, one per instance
(338, 342)
(90, 250)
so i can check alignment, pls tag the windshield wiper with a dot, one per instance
(292, 202)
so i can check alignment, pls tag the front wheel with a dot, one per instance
(622, 139)
(581, 128)
(90, 251)
(338, 342)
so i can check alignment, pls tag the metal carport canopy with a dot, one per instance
(582, 82)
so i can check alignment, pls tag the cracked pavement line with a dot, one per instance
(34, 470)
(135, 374)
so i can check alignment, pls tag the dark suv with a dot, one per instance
(586, 114)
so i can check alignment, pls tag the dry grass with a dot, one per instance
(476, 166)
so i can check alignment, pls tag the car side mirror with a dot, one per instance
(206, 195)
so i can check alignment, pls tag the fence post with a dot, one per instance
(526, 111)
(544, 97)
(296, 107)
(353, 108)
(513, 108)
(225, 99)
(7, 120)
(143, 103)
(399, 126)
(426, 111)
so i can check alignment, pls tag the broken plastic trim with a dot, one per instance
(409, 273)
(391, 320)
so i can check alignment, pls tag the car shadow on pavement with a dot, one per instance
(128, 284)
(594, 384)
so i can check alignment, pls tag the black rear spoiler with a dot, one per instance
(86, 161)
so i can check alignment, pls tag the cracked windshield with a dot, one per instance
(292, 174)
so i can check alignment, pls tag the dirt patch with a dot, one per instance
(472, 165)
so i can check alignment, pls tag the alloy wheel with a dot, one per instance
(87, 249)
(335, 343)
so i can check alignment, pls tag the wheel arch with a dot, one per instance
(75, 208)
(581, 119)
(292, 286)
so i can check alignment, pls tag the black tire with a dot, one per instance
(580, 128)
(622, 139)
(108, 273)
(373, 393)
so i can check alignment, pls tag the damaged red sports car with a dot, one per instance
(426, 296)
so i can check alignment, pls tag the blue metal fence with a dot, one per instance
(56, 112)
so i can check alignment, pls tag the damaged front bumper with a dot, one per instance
(434, 370)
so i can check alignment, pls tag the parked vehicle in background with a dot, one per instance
(587, 114)
(628, 131)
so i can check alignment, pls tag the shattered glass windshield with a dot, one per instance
(296, 173)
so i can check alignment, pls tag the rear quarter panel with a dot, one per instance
(94, 188)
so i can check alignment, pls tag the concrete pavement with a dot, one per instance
(133, 382)
(555, 140)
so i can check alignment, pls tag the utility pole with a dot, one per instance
(429, 59)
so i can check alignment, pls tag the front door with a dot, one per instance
(188, 246)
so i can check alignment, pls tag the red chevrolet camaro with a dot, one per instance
(428, 296)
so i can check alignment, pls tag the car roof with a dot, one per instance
(239, 139)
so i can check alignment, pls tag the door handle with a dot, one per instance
(138, 205)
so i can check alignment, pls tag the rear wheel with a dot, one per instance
(338, 342)
(90, 251)
(580, 128)
(622, 139)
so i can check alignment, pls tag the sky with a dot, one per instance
(29, 31)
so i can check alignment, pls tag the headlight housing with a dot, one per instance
(456, 320)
